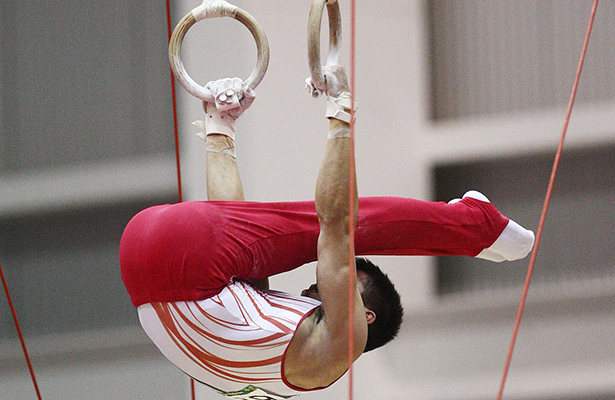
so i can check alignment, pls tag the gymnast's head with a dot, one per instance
(381, 300)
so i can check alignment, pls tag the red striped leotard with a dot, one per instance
(234, 341)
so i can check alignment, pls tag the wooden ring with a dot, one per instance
(335, 38)
(180, 31)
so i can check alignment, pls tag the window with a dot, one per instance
(84, 91)
(63, 270)
(80, 84)
(577, 243)
(490, 57)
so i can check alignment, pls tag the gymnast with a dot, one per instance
(198, 271)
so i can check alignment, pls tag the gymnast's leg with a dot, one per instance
(469, 227)
(513, 243)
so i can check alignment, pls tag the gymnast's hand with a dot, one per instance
(336, 81)
(225, 100)
(229, 95)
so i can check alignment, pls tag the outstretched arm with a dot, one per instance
(337, 209)
(223, 179)
(321, 345)
(335, 251)
(228, 99)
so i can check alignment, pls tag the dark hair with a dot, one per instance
(380, 296)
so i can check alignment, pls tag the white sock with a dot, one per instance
(514, 243)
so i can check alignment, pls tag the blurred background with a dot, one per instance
(452, 95)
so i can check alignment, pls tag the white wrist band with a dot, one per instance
(339, 107)
(340, 132)
(221, 123)
(214, 149)
(217, 122)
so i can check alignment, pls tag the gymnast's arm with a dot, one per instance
(335, 251)
(336, 267)
(223, 179)
(318, 353)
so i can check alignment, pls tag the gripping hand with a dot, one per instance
(337, 90)
(339, 104)
(336, 81)
(230, 95)
(226, 99)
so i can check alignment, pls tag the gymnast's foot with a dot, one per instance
(514, 243)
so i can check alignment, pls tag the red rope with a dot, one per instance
(21, 339)
(545, 208)
(352, 194)
(175, 125)
(176, 134)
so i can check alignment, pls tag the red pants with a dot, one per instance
(191, 250)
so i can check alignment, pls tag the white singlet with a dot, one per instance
(233, 342)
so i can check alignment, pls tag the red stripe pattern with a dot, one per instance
(234, 339)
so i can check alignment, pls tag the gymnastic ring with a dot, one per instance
(216, 9)
(335, 36)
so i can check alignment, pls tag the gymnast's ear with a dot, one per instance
(370, 316)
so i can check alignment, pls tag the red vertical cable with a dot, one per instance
(352, 200)
(175, 125)
(21, 339)
(547, 201)
(176, 133)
